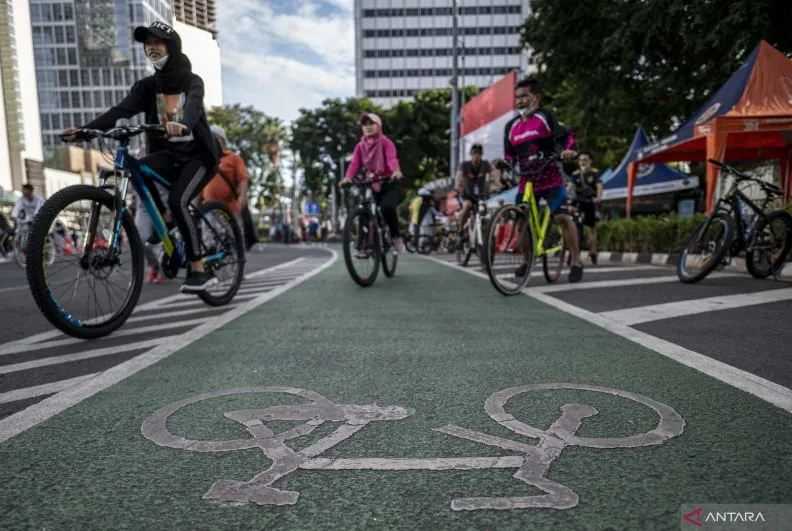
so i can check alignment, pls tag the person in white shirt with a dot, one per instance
(26, 206)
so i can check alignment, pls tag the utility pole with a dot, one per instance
(454, 92)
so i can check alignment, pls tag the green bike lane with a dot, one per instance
(437, 343)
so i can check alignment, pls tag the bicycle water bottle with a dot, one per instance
(179, 252)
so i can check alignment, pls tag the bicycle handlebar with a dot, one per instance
(766, 186)
(116, 133)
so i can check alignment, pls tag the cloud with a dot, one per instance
(279, 57)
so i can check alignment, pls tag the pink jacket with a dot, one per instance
(390, 159)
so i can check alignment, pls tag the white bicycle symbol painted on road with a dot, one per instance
(531, 461)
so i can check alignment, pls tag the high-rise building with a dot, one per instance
(86, 58)
(20, 136)
(405, 46)
(198, 13)
(196, 24)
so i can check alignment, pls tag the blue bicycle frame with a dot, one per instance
(129, 165)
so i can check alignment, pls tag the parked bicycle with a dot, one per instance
(93, 291)
(518, 235)
(738, 224)
(366, 240)
(474, 236)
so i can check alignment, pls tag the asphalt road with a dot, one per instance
(427, 401)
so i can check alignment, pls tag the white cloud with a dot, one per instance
(280, 62)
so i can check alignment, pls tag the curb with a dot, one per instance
(736, 265)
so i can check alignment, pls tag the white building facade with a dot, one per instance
(405, 46)
(20, 131)
(204, 52)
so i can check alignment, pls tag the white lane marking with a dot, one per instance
(181, 313)
(3, 290)
(554, 288)
(44, 389)
(122, 333)
(757, 386)
(84, 355)
(152, 305)
(49, 407)
(190, 301)
(655, 312)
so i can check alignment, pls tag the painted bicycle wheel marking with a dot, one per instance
(531, 461)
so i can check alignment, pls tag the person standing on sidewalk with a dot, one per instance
(588, 193)
(230, 184)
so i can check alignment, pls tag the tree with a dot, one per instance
(322, 137)
(257, 137)
(611, 65)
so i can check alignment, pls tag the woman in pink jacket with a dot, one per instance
(375, 155)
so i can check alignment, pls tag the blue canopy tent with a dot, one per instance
(652, 178)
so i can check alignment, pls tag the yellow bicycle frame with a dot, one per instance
(538, 221)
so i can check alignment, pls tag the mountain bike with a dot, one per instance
(473, 240)
(518, 234)
(738, 224)
(93, 291)
(366, 240)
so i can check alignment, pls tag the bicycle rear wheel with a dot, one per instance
(509, 251)
(556, 254)
(224, 250)
(389, 258)
(91, 292)
(705, 249)
(361, 248)
(770, 246)
(464, 250)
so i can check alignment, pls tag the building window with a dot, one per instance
(74, 78)
(70, 34)
(72, 56)
(86, 100)
(57, 12)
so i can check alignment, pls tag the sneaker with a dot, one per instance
(152, 274)
(197, 281)
(362, 254)
(157, 278)
(521, 271)
(593, 257)
(398, 246)
(576, 273)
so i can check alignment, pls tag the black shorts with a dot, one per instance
(589, 211)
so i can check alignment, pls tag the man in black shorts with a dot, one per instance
(472, 181)
(588, 194)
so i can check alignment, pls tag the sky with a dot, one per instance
(281, 55)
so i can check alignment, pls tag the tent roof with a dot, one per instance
(652, 178)
(760, 88)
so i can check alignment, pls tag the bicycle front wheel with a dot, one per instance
(224, 250)
(509, 251)
(91, 292)
(705, 249)
(361, 248)
(556, 255)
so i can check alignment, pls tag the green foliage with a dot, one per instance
(418, 127)
(257, 138)
(667, 234)
(611, 65)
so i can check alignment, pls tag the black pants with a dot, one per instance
(187, 176)
(388, 198)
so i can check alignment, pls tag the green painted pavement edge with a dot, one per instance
(430, 339)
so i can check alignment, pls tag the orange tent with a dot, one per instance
(749, 118)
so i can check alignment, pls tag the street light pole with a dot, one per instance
(454, 92)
